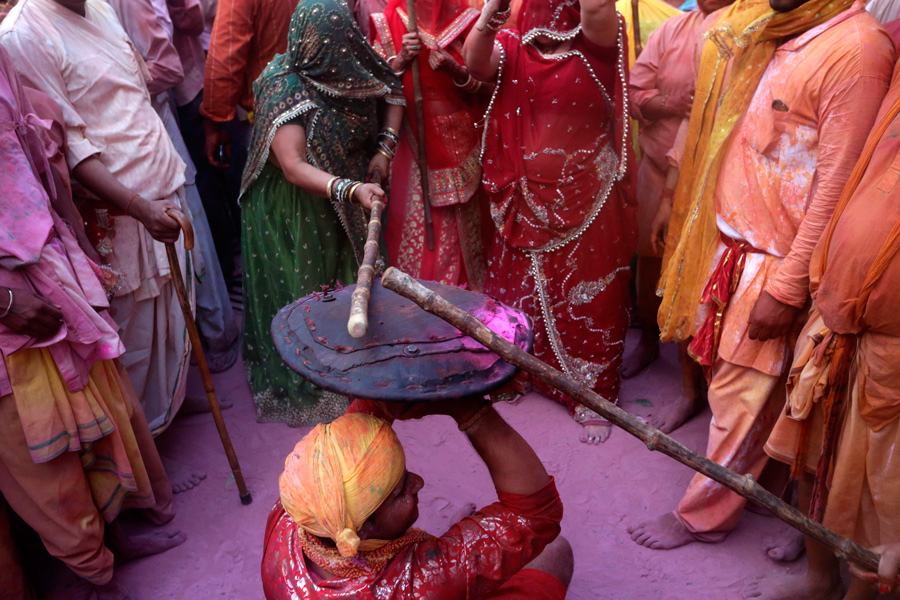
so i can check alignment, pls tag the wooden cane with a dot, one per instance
(358, 323)
(194, 335)
(654, 439)
(421, 156)
(636, 27)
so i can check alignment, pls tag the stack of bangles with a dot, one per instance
(471, 85)
(387, 142)
(496, 22)
(342, 190)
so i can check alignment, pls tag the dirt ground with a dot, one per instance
(604, 490)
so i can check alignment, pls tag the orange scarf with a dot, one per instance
(745, 37)
(366, 562)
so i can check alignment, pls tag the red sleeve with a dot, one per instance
(481, 552)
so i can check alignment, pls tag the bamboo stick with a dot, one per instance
(401, 283)
(358, 323)
(194, 335)
(636, 27)
(421, 155)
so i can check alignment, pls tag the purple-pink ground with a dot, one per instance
(604, 488)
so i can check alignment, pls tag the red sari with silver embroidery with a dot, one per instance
(454, 167)
(557, 169)
(480, 557)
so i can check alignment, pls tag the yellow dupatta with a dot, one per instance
(745, 37)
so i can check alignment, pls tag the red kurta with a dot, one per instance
(556, 167)
(472, 560)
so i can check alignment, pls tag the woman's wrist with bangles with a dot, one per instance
(341, 190)
(667, 196)
(499, 19)
(470, 84)
(388, 139)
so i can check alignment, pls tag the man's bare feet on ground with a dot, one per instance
(662, 533)
(130, 542)
(787, 546)
(110, 591)
(639, 358)
(182, 477)
(672, 415)
(793, 587)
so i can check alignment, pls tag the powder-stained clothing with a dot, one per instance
(782, 174)
(788, 161)
(472, 560)
(665, 68)
(90, 68)
(247, 34)
(863, 486)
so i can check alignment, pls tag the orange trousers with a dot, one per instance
(745, 404)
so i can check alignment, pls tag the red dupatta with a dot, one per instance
(450, 113)
(557, 139)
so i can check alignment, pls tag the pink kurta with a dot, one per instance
(665, 67)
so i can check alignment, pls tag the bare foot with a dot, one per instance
(787, 546)
(129, 543)
(594, 435)
(672, 415)
(182, 477)
(639, 358)
(193, 405)
(662, 533)
(792, 587)
(110, 591)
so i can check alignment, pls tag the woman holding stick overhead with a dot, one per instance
(557, 168)
(304, 190)
(452, 103)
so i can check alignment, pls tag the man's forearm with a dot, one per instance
(514, 466)
(96, 178)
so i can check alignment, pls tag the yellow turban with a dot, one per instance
(338, 475)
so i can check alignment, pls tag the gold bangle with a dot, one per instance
(353, 191)
(392, 130)
(383, 153)
(329, 193)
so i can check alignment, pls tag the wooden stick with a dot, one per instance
(636, 28)
(421, 156)
(654, 439)
(358, 323)
(194, 335)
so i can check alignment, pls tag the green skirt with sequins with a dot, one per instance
(292, 244)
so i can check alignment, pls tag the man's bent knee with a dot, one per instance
(557, 559)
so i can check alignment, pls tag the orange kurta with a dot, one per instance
(781, 176)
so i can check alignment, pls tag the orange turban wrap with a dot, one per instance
(338, 475)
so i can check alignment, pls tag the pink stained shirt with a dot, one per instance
(148, 32)
(38, 253)
(788, 160)
(665, 67)
(90, 68)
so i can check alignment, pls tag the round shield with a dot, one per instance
(407, 354)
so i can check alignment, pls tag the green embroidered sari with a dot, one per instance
(329, 81)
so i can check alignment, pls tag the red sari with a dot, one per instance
(557, 169)
(454, 168)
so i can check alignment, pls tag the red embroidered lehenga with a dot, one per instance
(454, 167)
(558, 174)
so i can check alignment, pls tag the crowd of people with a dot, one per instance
(721, 174)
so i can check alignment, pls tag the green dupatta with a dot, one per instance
(329, 77)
